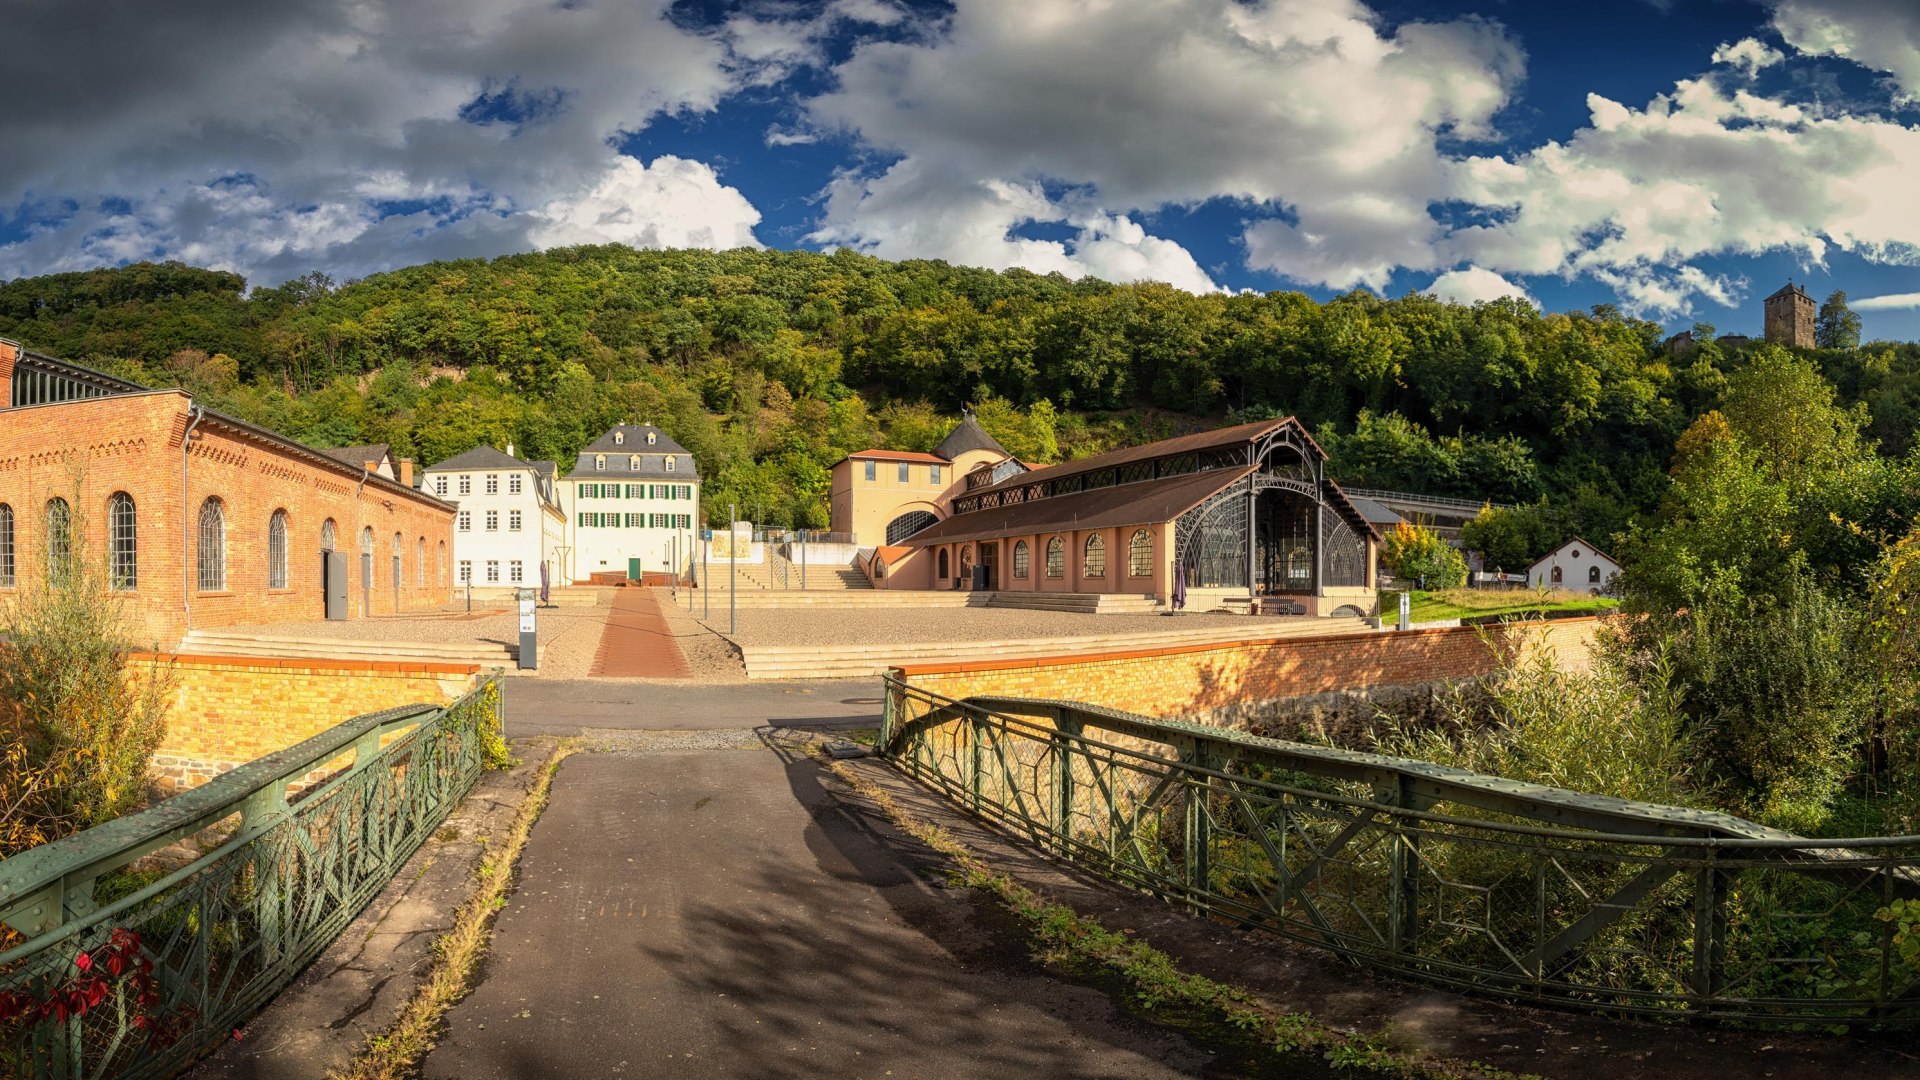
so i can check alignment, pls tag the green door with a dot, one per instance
(633, 569)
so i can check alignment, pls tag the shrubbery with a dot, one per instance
(1418, 556)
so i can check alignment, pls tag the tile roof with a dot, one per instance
(358, 456)
(480, 457)
(896, 455)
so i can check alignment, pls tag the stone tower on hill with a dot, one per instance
(1790, 317)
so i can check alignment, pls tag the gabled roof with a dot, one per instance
(1789, 289)
(1181, 444)
(480, 457)
(895, 455)
(1569, 543)
(1144, 503)
(358, 456)
(632, 439)
(968, 435)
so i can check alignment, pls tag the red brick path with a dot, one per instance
(637, 643)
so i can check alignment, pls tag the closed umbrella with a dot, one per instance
(1179, 586)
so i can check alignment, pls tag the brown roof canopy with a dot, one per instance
(1181, 444)
(1145, 503)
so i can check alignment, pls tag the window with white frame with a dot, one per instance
(513, 521)
(466, 571)
(513, 571)
(466, 484)
(669, 462)
(513, 484)
(6, 546)
(933, 473)
(493, 521)
(465, 521)
(439, 485)
(873, 470)
(599, 463)
(213, 546)
(493, 483)
(277, 550)
(906, 472)
(633, 462)
(493, 571)
(123, 547)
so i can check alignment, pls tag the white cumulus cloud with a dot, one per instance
(1750, 55)
(673, 202)
(1888, 302)
(1472, 285)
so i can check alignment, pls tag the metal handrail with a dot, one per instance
(132, 974)
(1378, 494)
(1443, 874)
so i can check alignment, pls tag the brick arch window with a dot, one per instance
(1022, 558)
(277, 550)
(1140, 554)
(212, 561)
(6, 546)
(123, 543)
(59, 538)
(328, 536)
(420, 564)
(1094, 563)
(442, 546)
(1056, 557)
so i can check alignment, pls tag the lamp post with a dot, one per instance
(733, 565)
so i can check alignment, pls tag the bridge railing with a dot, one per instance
(1437, 873)
(114, 971)
(1471, 505)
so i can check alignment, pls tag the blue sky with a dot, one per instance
(1679, 159)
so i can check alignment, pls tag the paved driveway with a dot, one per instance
(554, 707)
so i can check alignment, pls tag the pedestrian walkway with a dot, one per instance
(637, 642)
(719, 913)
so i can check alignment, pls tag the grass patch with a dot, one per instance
(1478, 603)
(457, 953)
(1152, 983)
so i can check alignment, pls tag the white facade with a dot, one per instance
(633, 494)
(509, 522)
(1574, 566)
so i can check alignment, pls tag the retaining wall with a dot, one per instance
(229, 710)
(1181, 681)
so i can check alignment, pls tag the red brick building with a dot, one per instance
(199, 519)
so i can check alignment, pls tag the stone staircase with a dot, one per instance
(860, 661)
(240, 643)
(767, 577)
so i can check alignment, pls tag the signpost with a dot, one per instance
(529, 637)
(733, 562)
(1406, 611)
(706, 604)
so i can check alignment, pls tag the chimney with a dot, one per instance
(9, 354)
(406, 471)
(509, 449)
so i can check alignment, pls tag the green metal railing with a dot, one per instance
(130, 974)
(1437, 873)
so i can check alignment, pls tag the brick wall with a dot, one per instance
(85, 451)
(228, 711)
(1184, 680)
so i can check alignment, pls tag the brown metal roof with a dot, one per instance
(1181, 444)
(1145, 503)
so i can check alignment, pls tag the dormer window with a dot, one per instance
(633, 463)
(652, 438)
(669, 462)
(619, 438)
(599, 463)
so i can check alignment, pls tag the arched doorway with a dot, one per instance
(990, 564)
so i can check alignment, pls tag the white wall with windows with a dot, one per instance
(611, 522)
(508, 524)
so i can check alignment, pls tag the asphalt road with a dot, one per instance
(718, 913)
(557, 707)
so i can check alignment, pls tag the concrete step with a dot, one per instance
(856, 661)
(221, 643)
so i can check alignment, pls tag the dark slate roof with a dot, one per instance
(480, 457)
(1375, 513)
(548, 469)
(1143, 503)
(1182, 444)
(634, 441)
(968, 435)
(358, 456)
(1789, 289)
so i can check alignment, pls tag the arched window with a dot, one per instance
(420, 564)
(123, 543)
(1022, 558)
(366, 542)
(327, 536)
(669, 462)
(942, 575)
(1557, 576)
(1056, 558)
(907, 524)
(213, 546)
(6, 546)
(399, 547)
(277, 550)
(1140, 554)
(1593, 574)
(599, 463)
(443, 563)
(59, 539)
(1095, 562)
(633, 462)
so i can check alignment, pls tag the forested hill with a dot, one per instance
(771, 365)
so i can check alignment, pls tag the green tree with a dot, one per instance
(1417, 556)
(1836, 327)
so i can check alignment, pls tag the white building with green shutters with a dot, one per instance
(633, 494)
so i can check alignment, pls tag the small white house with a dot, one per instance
(1575, 565)
(510, 524)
